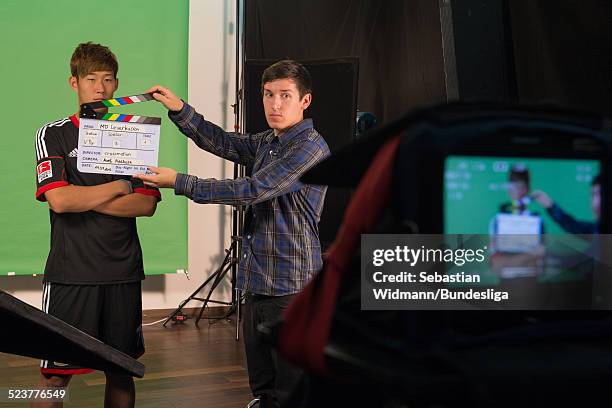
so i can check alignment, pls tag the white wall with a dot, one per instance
(208, 225)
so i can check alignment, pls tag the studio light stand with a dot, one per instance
(216, 277)
(232, 254)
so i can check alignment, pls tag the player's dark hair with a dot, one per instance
(89, 57)
(519, 173)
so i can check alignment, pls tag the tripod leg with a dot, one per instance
(225, 266)
(237, 295)
(185, 301)
(233, 302)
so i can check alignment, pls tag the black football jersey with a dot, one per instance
(87, 247)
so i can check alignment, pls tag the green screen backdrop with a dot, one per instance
(475, 187)
(150, 39)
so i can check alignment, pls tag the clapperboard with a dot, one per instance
(115, 143)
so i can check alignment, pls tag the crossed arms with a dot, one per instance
(113, 198)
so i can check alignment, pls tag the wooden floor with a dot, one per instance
(186, 366)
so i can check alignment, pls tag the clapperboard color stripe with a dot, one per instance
(126, 100)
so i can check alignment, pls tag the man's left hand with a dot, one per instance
(161, 177)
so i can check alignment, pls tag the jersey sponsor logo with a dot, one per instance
(44, 170)
(74, 153)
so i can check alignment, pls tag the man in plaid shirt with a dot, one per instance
(280, 248)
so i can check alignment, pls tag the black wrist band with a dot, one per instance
(129, 183)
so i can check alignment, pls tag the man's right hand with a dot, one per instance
(166, 97)
(542, 198)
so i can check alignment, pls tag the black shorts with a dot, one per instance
(111, 313)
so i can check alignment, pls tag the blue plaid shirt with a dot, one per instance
(280, 248)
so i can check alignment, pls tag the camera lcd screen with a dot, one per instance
(477, 189)
(536, 216)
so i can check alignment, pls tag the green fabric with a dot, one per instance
(150, 39)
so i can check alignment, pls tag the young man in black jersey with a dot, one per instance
(94, 268)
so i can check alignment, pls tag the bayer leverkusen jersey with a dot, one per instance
(86, 247)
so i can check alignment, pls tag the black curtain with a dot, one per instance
(560, 51)
(398, 44)
(563, 52)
